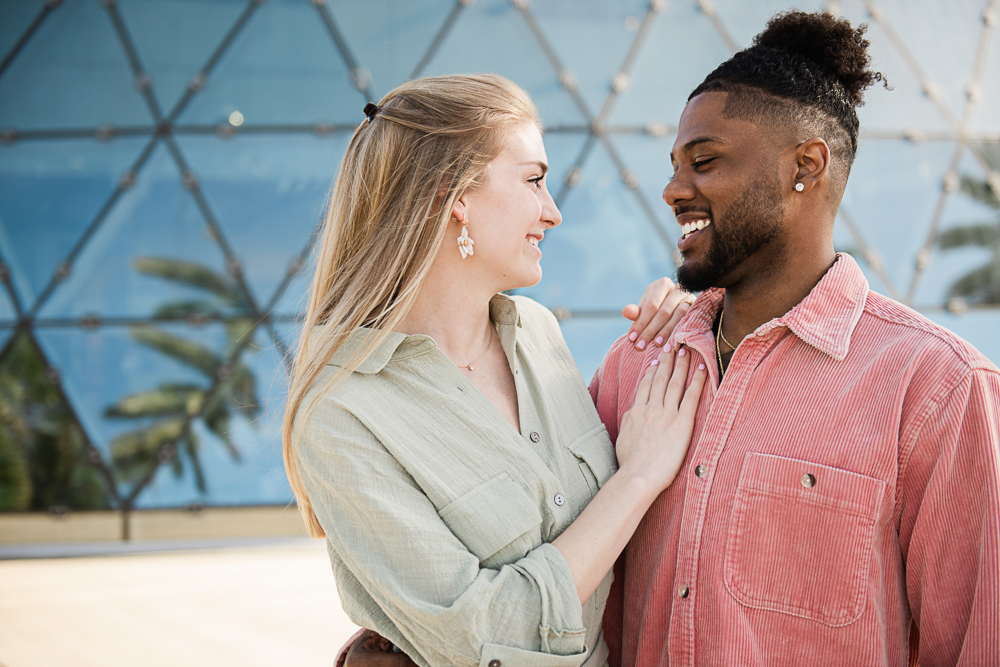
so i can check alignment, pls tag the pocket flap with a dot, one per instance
(595, 449)
(491, 516)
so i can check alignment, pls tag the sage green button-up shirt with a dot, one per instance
(439, 514)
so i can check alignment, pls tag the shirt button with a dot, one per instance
(559, 499)
(495, 663)
(808, 481)
(683, 592)
(701, 471)
(534, 436)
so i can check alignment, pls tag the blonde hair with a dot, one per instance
(431, 141)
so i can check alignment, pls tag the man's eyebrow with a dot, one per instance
(694, 142)
(541, 165)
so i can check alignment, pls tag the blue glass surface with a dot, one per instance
(844, 241)
(258, 475)
(491, 36)
(590, 338)
(268, 193)
(681, 49)
(16, 16)
(50, 192)
(157, 217)
(282, 68)
(986, 119)
(947, 266)
(72, 73)
(649, 159)
(604, 254)
(175, 38)
(743, 20)
(897, 226)
(101, 367)
(390, 38)
(592, 38)
(977, 327)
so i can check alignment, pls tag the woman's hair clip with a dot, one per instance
(371, 110)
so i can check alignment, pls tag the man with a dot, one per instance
(839, 501)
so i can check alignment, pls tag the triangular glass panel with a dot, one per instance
(72, 73)
(8, 314)
(957, 24)
(283, 68)
(680, 50)
(743, 20)
(965, 262)
(154, 256)
(294, 302)
(896, 227)
(987, 115)
(606, 251)
(269, 194)
(845, 241)
(389, 39)
(592, 37)
(50, 192)
(173, 44)
(134, 386)
(648, 158)
(16, 16)
(504, 44)
(563, 150)
(905, 108)
(234, 457)
(589, 339)
(44, 460)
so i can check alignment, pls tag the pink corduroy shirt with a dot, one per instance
(839, 501)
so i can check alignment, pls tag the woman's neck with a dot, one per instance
(454, 312)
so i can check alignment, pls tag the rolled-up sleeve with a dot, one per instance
(405, 574)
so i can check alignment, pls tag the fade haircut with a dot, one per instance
(805, 74)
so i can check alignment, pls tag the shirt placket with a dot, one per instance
(729, 396)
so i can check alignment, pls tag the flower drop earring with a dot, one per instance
(464, 242)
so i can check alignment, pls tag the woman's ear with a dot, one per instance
(459, 212)
(813, 161)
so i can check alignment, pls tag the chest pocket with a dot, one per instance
(496, 521)
(800, 538)
(598, 462)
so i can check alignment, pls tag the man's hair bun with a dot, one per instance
(840, 50)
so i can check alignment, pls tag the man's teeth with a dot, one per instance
(694, 226)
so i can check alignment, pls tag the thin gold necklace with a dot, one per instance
(488, 346)
(718, 352)
(731, 346)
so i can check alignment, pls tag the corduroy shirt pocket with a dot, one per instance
(496, 521)
(800, 538)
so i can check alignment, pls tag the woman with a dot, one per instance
(438, 432)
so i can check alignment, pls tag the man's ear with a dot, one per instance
(812, 158)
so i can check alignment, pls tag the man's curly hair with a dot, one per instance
(805, 71)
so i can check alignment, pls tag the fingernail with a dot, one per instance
(669, 348)
(641, 345)
(701, 367)
(681, 352)
(632, 336)
(659, 340)
(655, 362)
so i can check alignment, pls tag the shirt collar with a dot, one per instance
(503, 311)
(825, 319)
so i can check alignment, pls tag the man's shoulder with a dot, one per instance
(921, 336)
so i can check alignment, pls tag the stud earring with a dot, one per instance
(799, 187)
(464, 242)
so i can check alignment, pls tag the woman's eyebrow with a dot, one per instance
(541, 165)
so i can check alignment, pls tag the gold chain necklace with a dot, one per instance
(718, 352)
(488, 346)
(731, 346)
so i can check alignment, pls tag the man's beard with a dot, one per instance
(753, 221)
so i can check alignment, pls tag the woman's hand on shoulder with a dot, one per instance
(656, 431)
(657, 313)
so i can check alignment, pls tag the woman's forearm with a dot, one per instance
(593, 542)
